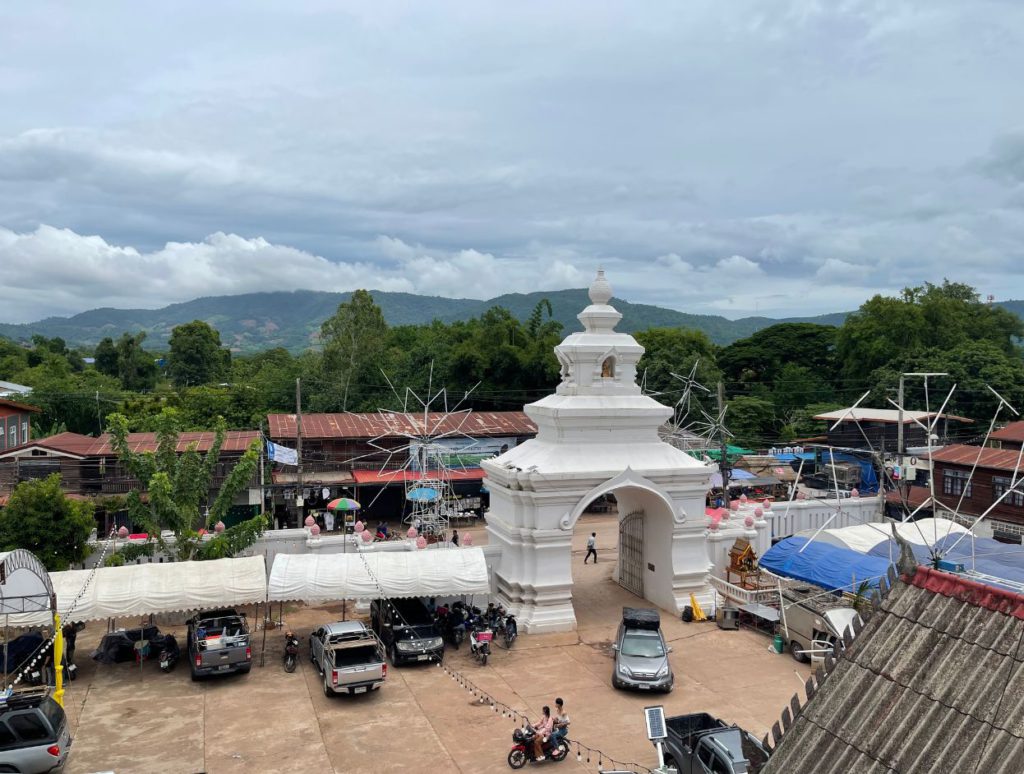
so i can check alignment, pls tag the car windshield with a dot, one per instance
(646, 645)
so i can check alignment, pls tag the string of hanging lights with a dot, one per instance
(45, 646)
(592, 754)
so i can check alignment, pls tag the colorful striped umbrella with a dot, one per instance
(343, 504)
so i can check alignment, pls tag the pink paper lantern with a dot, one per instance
(758, 512)
(314, 530)
(713, 526)
(421, 542)
(467, 540)
(734, 505)
(359, 527)
(748, 522)
(743, 498)
(310, 521)
(855, 492)
(123, 532)
(767, 504)
(367, 537)
(218, 527)
(801, 496)
(412, 533)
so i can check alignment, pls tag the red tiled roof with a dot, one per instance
(962, 454)
(403, 476)
(969, 591)
(4, 402)
(377, 424)
(87, 446)
(1012, 432)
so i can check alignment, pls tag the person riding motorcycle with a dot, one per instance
(561, 723)
(542, 729)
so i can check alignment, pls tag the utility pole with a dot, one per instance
(723, 465)
(899, 427)
(299, 500)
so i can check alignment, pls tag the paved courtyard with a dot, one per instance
(129, 720)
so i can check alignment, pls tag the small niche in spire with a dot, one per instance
(608, 368)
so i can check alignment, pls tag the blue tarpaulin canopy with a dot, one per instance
(824, 565)
(990, 557)
(422, 494)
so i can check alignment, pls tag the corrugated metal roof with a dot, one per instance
(87, 446)
(13, 404)
(986, 457)
(935, 682)
(377, 424)
(888, 416)
(385, 477)
(1012, 432)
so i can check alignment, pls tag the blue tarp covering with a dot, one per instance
(990, 556)
(824, 565)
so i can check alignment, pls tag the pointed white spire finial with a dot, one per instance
(600, 289)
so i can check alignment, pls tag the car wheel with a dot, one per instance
(327, 687)
(246, 669)
(393, 652)
(195, 677)
(796, 651)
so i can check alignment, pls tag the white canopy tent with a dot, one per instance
(147, 589)
(423, 573)
(863, 537)
(25, 586)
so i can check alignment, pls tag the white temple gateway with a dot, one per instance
(597, 435)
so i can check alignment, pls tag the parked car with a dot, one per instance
(641, 655)
(814, 620)
(349, 657)
(218, 643)
(702, 744)
(407, 630)
(34, 735)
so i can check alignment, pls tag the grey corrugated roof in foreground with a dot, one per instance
(934, 683)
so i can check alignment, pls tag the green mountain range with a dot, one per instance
(258, 321)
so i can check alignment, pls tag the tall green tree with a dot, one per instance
(136, 368)
(105, 355)
(353, 339)
(670, 351)
(761, 358)
(40, 518)
(178, 486)
(196, 355)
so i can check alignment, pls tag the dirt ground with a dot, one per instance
(127, 719)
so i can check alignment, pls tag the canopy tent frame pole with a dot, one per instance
(266, 620)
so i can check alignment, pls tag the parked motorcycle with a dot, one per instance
(291, 651)
(480, 643)
(452, 624)
(509, 630)
(169, 653)
(522, 748)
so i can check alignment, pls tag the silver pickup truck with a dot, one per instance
(349, 657)
(218, 643)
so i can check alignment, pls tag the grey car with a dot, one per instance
(641, 660)
(34, 736)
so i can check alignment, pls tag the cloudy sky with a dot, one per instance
(733, 158)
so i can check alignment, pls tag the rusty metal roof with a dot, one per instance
(1012, 432)
(86, 446)
(13, 404)
(378, 424)
(935, 682)
(986, 457)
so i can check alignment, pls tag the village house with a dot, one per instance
(89, 467)
(1009, 437)
(15, 423)
(879, 429)
(372, 456)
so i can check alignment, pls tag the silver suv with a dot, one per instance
(34, 736)
(641, 655)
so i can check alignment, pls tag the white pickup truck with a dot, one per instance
(349, 657)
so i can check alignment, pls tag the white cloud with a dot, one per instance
(739, 266)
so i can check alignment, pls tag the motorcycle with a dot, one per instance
(452, 625)
(169, 653)
(291, 652)
(522, 748)
(509, 630)
(480, 644)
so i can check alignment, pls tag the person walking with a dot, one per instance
(591, 548)
(455, 538)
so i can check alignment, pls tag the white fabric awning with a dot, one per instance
(422, 573)
(147, 589)
(863, 537)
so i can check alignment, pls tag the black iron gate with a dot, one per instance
(631, 552)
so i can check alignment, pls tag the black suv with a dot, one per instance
(407, 629)
(34, 736)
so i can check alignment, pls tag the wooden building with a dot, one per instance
(973, 494)
(15, 423)
(878, 429)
